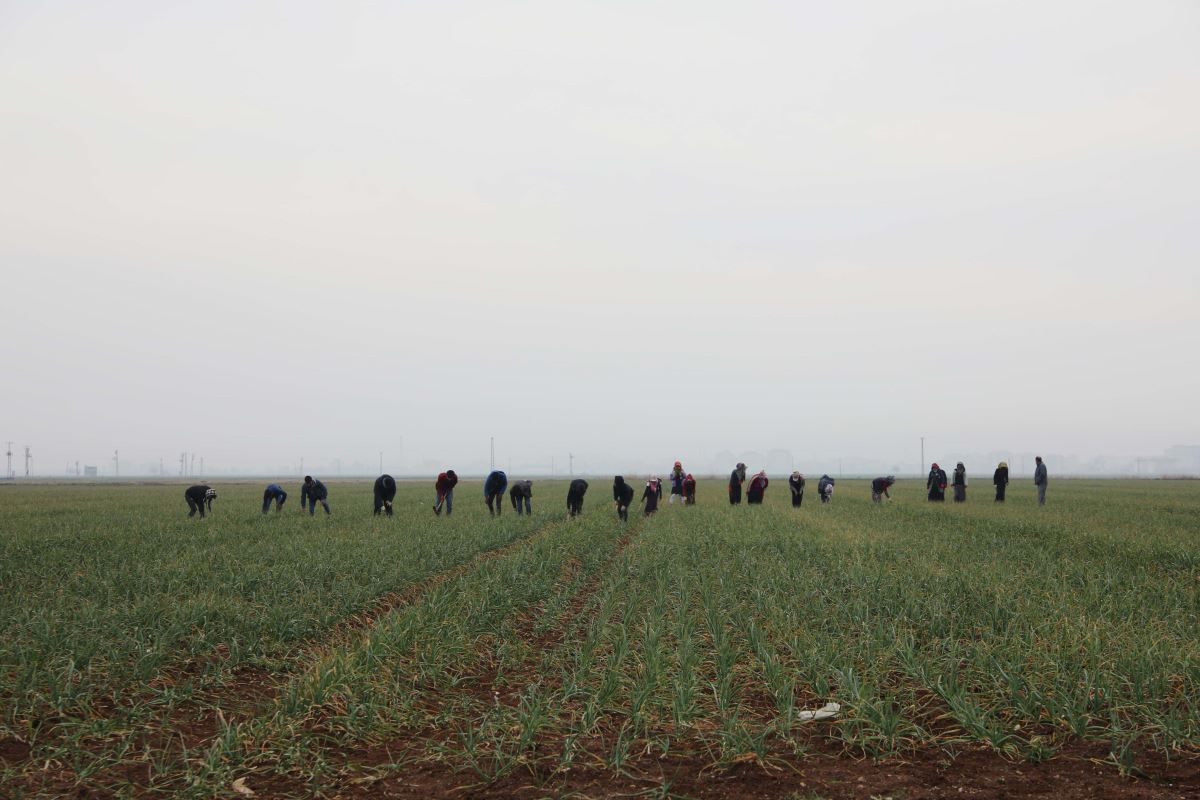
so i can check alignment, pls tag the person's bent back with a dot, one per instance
(199, 498)
(385, 493)
(274, 493)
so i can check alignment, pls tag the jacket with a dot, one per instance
(622, 491)
(1039, 475)
(495, 483)
(446, 481)
(315, 491)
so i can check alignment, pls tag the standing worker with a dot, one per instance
(825, 488)
(651, 496)
(689, 490)
(444, 487)
(521, 495)
(880, 486)
(796, 484)
(960, 483)
(677, 479)
(758, 487)
(936, 484)
(313, 492)
(575, 493)
(1040, 479)
(274, 492)
(1000, 480)
(199, 497)
(385, 493)
(736, 479)
(494, 486)
(623, 497)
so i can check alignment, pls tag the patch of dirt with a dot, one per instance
(1080, 772)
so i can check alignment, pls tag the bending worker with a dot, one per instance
(494, 486)
(198, 498)
(385, 493)
(274, 493)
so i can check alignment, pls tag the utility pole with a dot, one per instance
(493, 461)
(116, 463)
(76, 469)
(551, 466)
(571, 464)
(202, 465)
(182, 464)
(162, 471)
(8, 452)
(921, 466)
(28, 458)
(301, 465)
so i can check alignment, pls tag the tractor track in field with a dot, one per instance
(194, 723)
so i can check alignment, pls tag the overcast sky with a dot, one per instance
(628, 230)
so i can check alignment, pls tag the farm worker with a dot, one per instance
(198, 498)
(1040, 480)
(936, 484)
(623, 497)
(960, 483)
(1000, 480)
(444, 486)
(796, 484)
(575, 493)
(313, 492)
(494, 486)
(677, 479)
(385, 493)
(880, 486)
(689, 490)
(651, 495)
(825, 488)
(274, 493)
(758, 487)
(736, 479)
(521, 495)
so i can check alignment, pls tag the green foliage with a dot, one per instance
(702, 630)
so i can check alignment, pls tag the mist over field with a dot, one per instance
(609, 236)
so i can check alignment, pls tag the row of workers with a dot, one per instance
(683, 488)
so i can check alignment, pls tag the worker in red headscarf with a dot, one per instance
(689, 490)
(758, 487)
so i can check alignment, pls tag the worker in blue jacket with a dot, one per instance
(494, 486)
(276, 494)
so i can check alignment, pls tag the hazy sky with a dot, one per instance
(632, 231)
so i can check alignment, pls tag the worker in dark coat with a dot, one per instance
(313, 492)
(274, 493)
(758, 487)
(796, 484)
(651, 495)
(825, 488)
(936, 484)
(1040, 479)
(199, 498)
(1000, 480)
(960, 483)
(689, 490)
(736, 479)
(575, 493)
(521, 495)
(494, 486)
(622, 496)
(444, 487)
(385, 493)
(880, 486)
